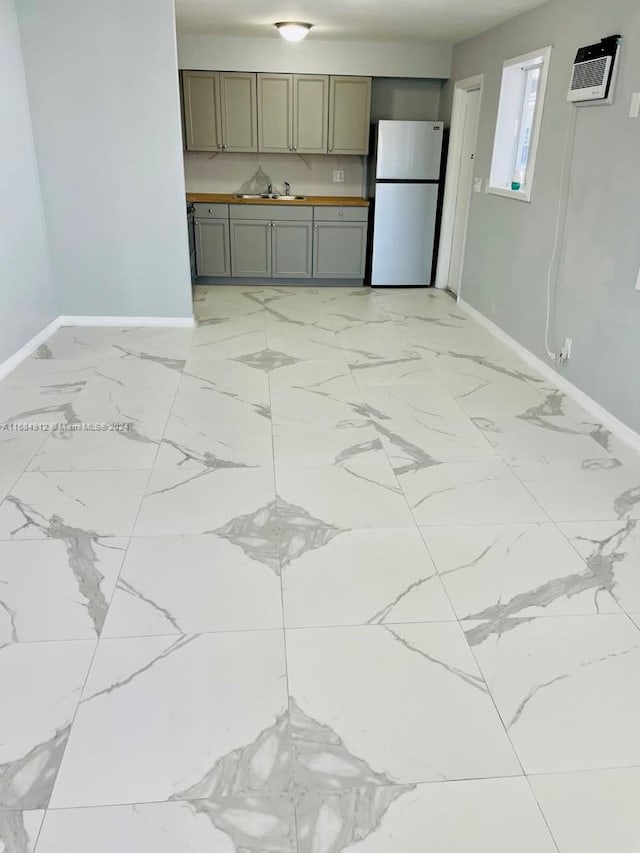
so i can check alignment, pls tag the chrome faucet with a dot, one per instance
(287, 188)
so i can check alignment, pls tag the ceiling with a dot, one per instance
(352, 20)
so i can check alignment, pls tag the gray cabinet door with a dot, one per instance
(251, 248)
(339, 249)
(239, 111)
(201, 96)
(275, 113)
(349, 115)
(212, 247)
(310, 113)
(291, 249)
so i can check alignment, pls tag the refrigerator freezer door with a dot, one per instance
(403, 234)
(409, 150)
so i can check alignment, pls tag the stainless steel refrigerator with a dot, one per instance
(404, 174)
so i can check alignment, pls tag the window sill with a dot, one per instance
(517, 195)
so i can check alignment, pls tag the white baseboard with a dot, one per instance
(150, 322)
(617, 427)
(10, 364)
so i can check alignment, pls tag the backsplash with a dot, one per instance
(307, 174)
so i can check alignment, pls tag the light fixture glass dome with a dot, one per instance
(293, 30)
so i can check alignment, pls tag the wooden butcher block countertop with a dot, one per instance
(310, 200)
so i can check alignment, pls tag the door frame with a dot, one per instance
(452, 178)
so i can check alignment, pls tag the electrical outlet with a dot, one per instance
(565, 352)
(477, 185)
(634, 112)
(338, 176)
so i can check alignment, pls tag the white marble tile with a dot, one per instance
(187, 718)
(496, 573)
(132, 447)
(71, 504)
(497, 815)
(636, 618)
(213, 825)
(567, 688)
(17, 449)
(591, 812)
(424, 403)
(193, 584)
(202, 400)
(327, 444)
(55, 374)
(57, 589)
(402, 371)
(496, 365)
(337, 400)
(309, 342)
(80, 342)
(418, 709)
(591, 490)
(469, 493)
(229, 302)
(312, 374)
(162, 343)
(232, 502)
(132, 370)
(7, 479)
(227, 336)
(611, 549)
(106, 399)
(383, 341)
(362, 577)
(230, 375)
(502, 397)
(539, 438)
(193, 446)
(35, 716)
(19, 831)
(28, 406)
(346, 496)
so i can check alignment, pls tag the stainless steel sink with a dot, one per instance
(271, 196)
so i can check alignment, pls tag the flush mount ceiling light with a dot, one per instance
(293, 30)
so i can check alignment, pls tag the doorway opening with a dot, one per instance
(459, 180)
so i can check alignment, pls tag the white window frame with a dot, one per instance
(508, 126)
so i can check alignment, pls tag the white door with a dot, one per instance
(465, 186)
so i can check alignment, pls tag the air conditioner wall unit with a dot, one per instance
(594, 73)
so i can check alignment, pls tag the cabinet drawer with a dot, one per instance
(340, 214)
(277, 211)
(212, 211)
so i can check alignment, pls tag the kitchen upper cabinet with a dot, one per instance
(349, 115)
(293, 113)
(275, 113)
(201, 95)
(291, 249)
(251, 248)
(310, 113)
(238, 111)
(212, 247)
(220, 111)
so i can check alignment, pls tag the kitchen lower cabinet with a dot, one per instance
(339, 249)
(291, 249)
(212, 247)
(251, 248)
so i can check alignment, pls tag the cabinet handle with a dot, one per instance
(340, 213)
(330, 148)
(224, 147)
(295, 147)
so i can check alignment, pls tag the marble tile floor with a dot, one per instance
(348, 576)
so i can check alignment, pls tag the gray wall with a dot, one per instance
(509, 243)
(103, 92)
(27, 296)
(405, 99)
